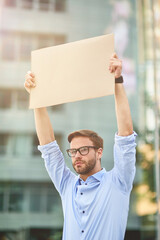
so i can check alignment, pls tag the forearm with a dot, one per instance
(43, 126)
(124, 120)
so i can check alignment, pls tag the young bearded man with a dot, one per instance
(96, 202)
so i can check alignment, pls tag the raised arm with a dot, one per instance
(43, 125)
(124, 120)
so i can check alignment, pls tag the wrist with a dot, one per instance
(119, 79)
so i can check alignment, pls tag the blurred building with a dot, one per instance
(30, 208)
(148, 189)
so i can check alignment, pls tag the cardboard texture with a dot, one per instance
(72, 72)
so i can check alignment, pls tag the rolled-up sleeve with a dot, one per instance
(124, 161)
(59, 173)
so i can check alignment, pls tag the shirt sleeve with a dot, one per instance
(124, 161)
(59, 173)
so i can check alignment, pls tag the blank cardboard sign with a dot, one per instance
(72, 72)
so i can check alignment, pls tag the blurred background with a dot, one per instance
(30, 207)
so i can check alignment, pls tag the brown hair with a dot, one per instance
(93, 136)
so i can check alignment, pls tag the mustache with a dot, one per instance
(79, 161)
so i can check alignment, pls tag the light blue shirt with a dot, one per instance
(95, 209)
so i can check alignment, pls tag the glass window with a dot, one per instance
(57, 108)
(22, 99)
(3, 143)
(19, 143)
(1, 201)
(60, 5)
(26, 46)
(60, 39)
(8, 47)
(16, 200)
(45, 41)
(58, 138)
(5, 98)
(27, 4)
(35, 201)
(53, 202)
(10, 3)
(44, 5)
(45, 233)
(35, 143)
(50, 40)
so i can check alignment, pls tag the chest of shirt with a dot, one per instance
(93, 195)
(85, 195)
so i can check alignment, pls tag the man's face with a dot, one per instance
(84, 164)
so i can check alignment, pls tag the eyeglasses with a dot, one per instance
(82, 150)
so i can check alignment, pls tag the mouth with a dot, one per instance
(78, 163)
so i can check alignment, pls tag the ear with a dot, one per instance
(100, 153)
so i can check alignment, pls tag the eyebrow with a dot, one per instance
(80, 147)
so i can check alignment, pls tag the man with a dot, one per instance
(96, 202)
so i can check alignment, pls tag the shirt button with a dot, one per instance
(85, 183)
(82, 231)
(83, 211)
(81, 193)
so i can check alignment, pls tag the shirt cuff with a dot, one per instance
(122, 140)
(48, 148)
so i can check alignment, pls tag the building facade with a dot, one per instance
(30, 208)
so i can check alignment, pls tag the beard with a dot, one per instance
(85, 167)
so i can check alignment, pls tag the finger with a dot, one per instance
(114, 55)
(29, 83)
(32, 79)
(31, 74)
(111, 69)
(118, 64)
(27, 88)
(114, 59)
(113, 64)
(28, 77)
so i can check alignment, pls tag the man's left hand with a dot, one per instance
(115, 65)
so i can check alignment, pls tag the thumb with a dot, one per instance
(27, 88)
(114, 55)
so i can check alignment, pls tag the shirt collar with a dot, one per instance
(97, 176)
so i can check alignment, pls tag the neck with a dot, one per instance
(85, 176)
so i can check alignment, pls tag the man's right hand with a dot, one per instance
(29, 81)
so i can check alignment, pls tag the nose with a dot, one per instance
(78, 155)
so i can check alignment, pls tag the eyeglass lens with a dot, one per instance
(82, 150)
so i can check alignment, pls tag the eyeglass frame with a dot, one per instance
(78, 149)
